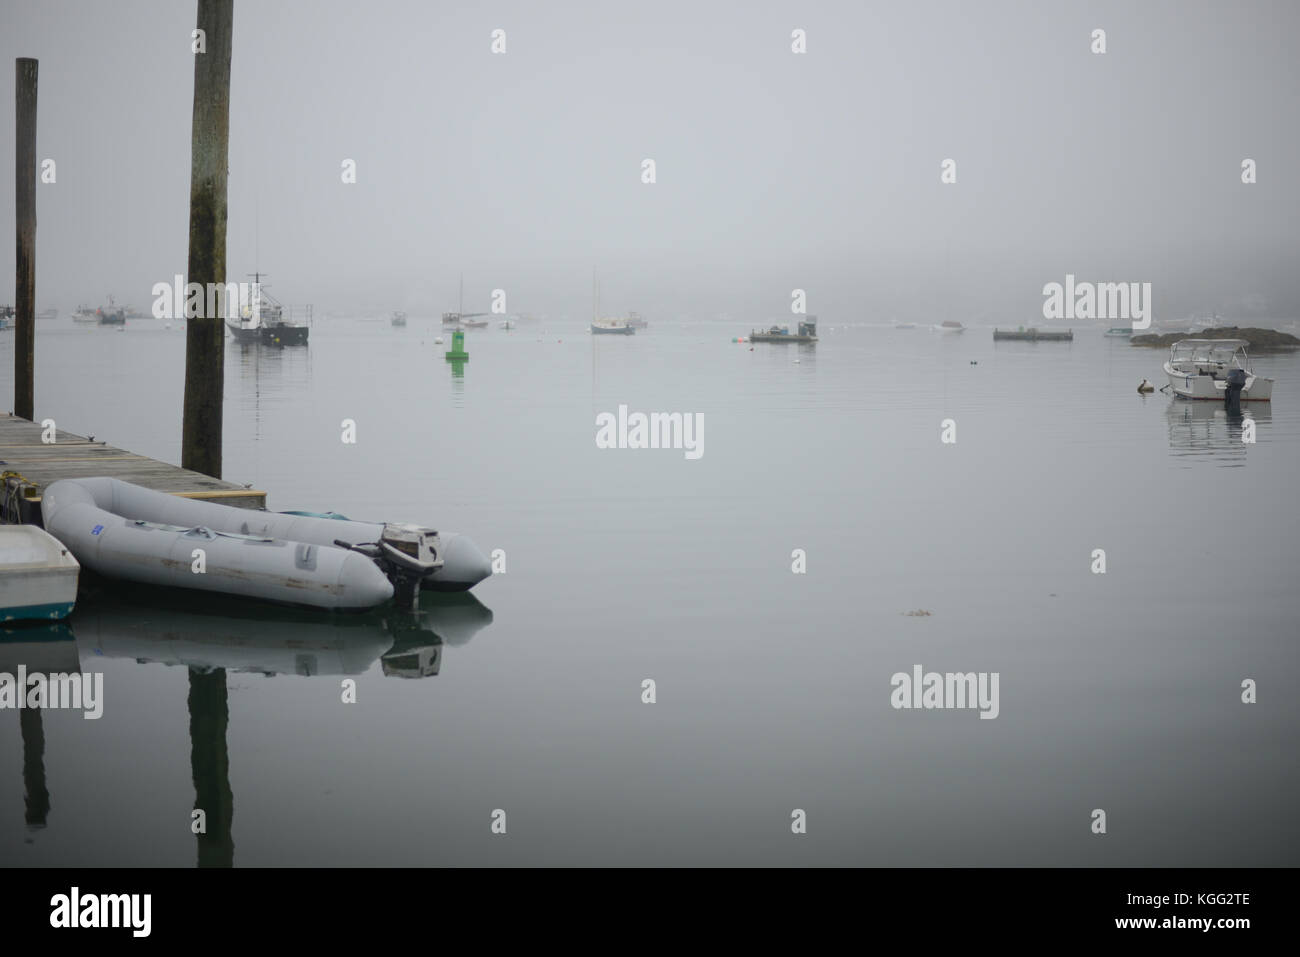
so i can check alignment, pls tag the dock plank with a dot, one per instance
(77, 456)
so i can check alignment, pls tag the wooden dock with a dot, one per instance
(1033, 335)
(39, 463)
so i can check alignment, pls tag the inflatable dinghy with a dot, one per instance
(121, 530)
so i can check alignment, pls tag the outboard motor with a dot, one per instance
(1236, 380)
(407, 554)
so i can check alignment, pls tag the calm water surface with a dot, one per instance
(1118, 691)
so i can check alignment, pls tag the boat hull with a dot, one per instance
(277, 335)
(612, 330)
(269, 555)
(123, 531)
(1257, 389)
(38, 575)
(285, 335)
(769, 337)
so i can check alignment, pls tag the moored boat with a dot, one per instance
(398, 319)
(38, 575)
(611, 327)
(807, 333)
(121, 530)
(1118, 331)
(950, 326)
(1211, 368)
(262, 320)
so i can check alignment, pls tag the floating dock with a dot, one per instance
(807, 333)
(1033, 335)
(38, 464)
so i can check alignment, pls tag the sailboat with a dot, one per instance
(606, 327)
(460, 317)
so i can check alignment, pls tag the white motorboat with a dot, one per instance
(611, 327)
(1208, 368)
(949, 326)
(38, 575)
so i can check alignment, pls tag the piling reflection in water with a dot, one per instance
(48, 649)
(210, 767)
(211, 639)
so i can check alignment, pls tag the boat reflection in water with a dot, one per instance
(210, 637)
(1208, 429)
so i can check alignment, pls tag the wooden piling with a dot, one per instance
(25, 73)
(209, 152)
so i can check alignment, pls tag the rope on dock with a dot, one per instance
(14, 483)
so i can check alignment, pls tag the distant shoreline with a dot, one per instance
(1259, 339)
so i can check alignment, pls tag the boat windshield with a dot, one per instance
(1210, 352)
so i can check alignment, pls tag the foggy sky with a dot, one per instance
(775, 170)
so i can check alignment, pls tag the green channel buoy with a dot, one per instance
(458, 353)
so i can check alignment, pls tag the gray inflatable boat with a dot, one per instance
(121, 530)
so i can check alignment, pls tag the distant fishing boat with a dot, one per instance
(949, 326)
(262, 321)
(807, 333)
(398, 319)
(38, 576)
(85, 314)
(6, 316)
(1118, 331)
(904, 325)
